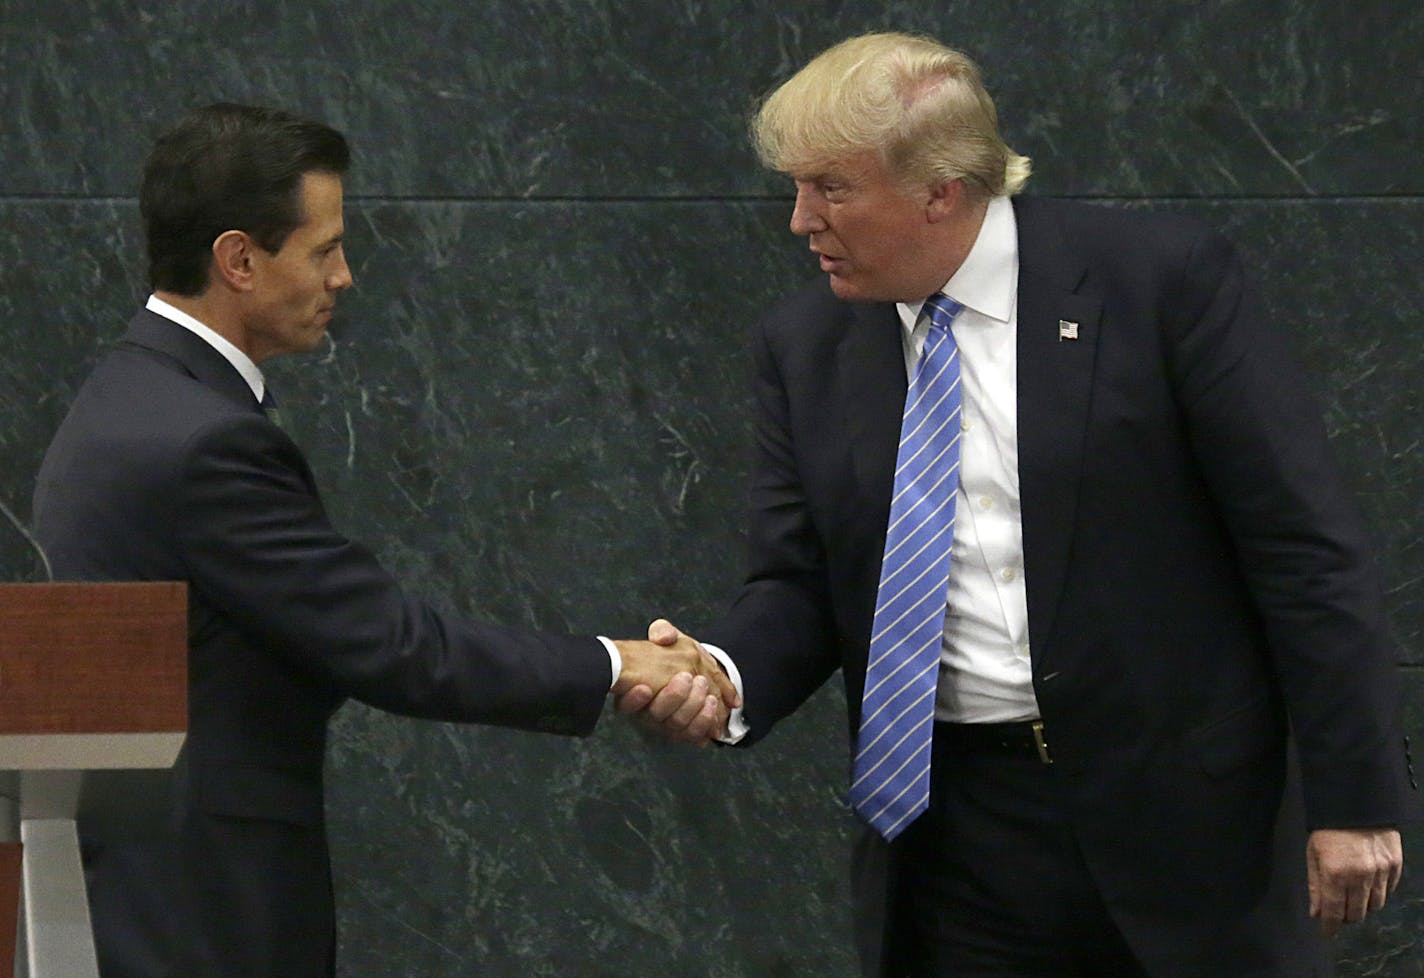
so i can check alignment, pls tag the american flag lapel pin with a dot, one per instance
(1067, 330)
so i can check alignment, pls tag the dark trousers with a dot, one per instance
(992, 880)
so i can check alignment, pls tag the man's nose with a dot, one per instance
(341, 276)
(805, 219)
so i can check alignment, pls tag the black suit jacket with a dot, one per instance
(166, 469)
(1197, 579)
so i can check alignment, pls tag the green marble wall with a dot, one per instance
(534, 402)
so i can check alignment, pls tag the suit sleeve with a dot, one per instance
(1301, 546)
(256, 542)
(780, 629)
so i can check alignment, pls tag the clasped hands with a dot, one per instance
(673, 685)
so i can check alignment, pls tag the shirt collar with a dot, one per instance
(240, 361)
(987, 280)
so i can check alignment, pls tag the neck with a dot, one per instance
(963, 231)
(210, 310)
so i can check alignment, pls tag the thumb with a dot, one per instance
(663, 632)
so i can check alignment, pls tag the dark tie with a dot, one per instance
(269, 408)
(891, 775)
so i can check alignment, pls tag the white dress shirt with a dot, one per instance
(985, 674)
(240, 361)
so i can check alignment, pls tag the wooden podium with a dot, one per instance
(93, 683)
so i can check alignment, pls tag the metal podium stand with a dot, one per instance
(93, 691)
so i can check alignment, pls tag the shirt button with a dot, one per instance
(1008, 574)
(964, 424)
(986, 502)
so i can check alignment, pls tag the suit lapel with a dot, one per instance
(872, 375)
(1055, 374)
(190, 353)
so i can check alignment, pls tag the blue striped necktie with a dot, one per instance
(890, 780)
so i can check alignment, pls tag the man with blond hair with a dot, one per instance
(1040, 479)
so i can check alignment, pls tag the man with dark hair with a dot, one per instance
(1041, 481)
(225, 167)
(168, 468)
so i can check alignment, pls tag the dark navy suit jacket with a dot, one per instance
(166, 469)
(1197, 579)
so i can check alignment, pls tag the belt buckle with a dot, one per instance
(1040, 742)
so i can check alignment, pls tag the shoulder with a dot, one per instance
(811, 319)
(811, 305)
(1134, 250)
(140, 415)
(116, 481)
(1129, 221)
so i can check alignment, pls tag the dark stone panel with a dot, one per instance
(1211, 99)
(564, 98)
(535, 412)
(69, 279)
(479, 851)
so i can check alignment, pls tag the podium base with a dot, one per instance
(57, 935)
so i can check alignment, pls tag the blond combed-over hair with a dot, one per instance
(922, 106)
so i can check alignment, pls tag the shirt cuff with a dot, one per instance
(615, 660)
(736, 724)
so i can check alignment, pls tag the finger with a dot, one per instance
(707, 724)
(692, 706)
(1357, 900)
(663, 632)
(1378, 894)
(636, 700)
(1386, 879)
(1332, 908)
(1396, 861)
(671, 697)
(1331, 918)
(1360, 903)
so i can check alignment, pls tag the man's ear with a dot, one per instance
(233, 264)
(945, 200)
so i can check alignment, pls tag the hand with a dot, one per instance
(1351, 873)
(694, 696)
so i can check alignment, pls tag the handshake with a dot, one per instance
(674, 686)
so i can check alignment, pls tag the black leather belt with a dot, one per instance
(1025, 739)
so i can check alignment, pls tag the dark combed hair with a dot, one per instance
(224, 168)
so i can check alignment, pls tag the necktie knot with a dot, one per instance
(941, 310)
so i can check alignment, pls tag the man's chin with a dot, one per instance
(843, 288)
(850, 290)
(310, 339)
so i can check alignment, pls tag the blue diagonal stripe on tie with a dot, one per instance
(890, 778)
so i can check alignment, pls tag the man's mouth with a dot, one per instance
(830, 263)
